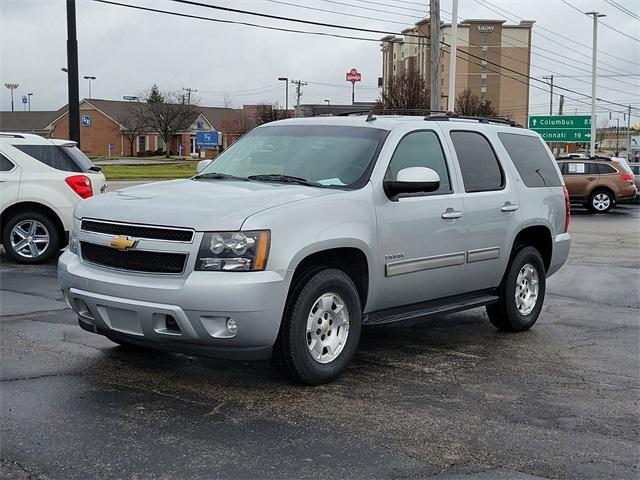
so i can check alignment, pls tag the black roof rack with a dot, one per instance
(595, 157)
(446, 116)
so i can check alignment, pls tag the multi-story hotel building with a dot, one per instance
(491, 45)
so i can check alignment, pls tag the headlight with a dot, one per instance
(233, 251)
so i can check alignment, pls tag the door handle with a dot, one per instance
(591, 179)
(509, 207)
(3, 180)
(451, 214)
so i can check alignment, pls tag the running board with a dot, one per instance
(442, 306)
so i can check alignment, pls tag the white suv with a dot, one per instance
(41, 181)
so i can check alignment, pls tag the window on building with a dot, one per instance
(5, 164)
(142, 143)
(478, 163)
(483, 89)
(421, 149)
(51, 155)
(483, 75)
(532, 160)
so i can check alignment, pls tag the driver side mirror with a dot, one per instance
(412, 180)
(202, 164)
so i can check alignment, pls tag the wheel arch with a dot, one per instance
(603, 188)
(21, 207)
(537, 236)
(351, 260)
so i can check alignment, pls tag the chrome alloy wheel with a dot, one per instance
(29, 239)
(601, 201)
(327, 327)
(527, 287)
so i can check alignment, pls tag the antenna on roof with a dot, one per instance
(370, 117)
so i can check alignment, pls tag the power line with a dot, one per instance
(623, 9)
(328, 34)
(601, 22)
(334, 12)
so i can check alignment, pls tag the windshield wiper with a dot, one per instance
(277, 177)
(219, 176)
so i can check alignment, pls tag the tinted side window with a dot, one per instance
(531, 160)
(421, 149)
(563, 167)
(5, 164)
(50, 155)
(478, 163)
(605, 169)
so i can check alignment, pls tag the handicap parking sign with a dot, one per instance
(86, 121)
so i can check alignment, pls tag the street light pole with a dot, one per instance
(592, 144)
(550, 78)
(451, 98)
(11, 87)
(29, 100)
(328, 101)
(286, 90)
(89, 78)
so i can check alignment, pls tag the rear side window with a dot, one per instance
(421, 149)
(581, 168)
(478, 162)
(51, 155)
(5, 164)
(531, 159)
(605, 169)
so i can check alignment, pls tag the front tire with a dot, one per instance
(521, 293)
(601, 201)
(320, 328)
(31, 237)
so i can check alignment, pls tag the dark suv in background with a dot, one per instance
(597, 183)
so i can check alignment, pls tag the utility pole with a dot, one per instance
(629, 134)
(189, 90)
(286, 93)
(550, 78)
(617, 135)
(72, 73)
(12, 87)
(299, 84)
(560, 111)
(434, 18)
(592, 144)
(29, 100)
(451, 98)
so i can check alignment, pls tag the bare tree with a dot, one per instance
(406, 91)
(469, 104)
(601, 131)
(235, 123)
(167, 113)
(269, 112)
(226, 102)
(132, 124)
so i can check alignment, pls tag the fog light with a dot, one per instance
(232, 326)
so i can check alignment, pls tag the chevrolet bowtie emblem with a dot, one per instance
(123, 243)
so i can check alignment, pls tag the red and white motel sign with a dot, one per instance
(353, 76)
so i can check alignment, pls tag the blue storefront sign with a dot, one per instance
(86, 121)
(208, 139)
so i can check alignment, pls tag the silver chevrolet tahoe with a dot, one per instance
(307, 229)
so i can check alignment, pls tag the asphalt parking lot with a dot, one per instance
(448, 397)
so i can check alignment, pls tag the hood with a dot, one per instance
(199, 204)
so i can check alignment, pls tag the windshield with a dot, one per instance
(327, 155)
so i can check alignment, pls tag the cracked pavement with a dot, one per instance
(445, 397)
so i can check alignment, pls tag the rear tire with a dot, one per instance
(521, 293)
(601, 201)
(31, 237)
(320, 328)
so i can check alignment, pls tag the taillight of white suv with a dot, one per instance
(81, 184)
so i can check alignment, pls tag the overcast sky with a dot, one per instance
(129, 50)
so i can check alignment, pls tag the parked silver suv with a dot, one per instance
(307, 229)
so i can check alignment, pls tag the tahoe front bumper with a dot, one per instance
(183, 314)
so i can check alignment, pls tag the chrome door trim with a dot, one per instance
(481, 254)
(424, 263)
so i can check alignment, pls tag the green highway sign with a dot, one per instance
(559, 121)
(560, 128)
(568, 135)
